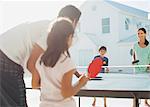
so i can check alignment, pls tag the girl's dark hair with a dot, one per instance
(57, 42)
(70, 12)
(144, 30)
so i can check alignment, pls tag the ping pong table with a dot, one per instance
(118, 85)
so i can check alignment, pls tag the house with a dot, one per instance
(82, 50)
(113, 25)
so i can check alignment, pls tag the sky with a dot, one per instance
(140, 4)
(13, 12)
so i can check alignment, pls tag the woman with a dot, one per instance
(142, 53)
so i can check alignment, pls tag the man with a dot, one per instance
(70, 12)
(17, 44)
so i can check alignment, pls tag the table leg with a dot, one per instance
(79, 101)
(136, 102)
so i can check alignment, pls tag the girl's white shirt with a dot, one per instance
(51, 83)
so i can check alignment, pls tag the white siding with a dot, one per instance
(79, 49)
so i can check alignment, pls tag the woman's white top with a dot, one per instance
(143, 55)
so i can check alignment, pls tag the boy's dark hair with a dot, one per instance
(70, 12)
(103, 48)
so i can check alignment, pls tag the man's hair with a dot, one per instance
(103, 48)
(70, 12)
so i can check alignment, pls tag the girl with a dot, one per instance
(142, 53)
(56, 68)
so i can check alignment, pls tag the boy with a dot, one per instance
(102, 52)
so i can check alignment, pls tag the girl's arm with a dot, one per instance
(67, 89)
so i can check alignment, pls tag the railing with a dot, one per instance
(116, 66)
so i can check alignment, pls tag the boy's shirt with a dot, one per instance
(105, 62)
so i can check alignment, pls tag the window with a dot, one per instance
(85, 56)
(148, 29)
(78, 28)
(106, 25)
(126, 25)
(138, 25)
(127, 22)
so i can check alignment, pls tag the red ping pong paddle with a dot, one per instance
(95, 67)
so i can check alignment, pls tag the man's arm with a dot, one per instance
(31, 65)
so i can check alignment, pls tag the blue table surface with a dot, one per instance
(116, 81)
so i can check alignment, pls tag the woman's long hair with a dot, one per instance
(144, 30)
(57, 41)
